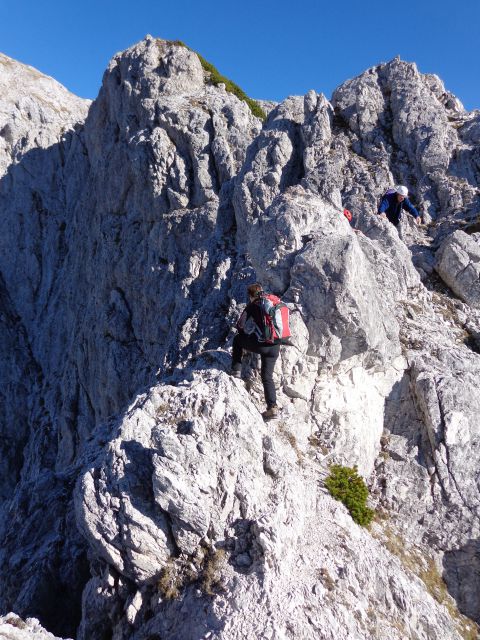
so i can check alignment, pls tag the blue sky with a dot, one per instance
(271, 49)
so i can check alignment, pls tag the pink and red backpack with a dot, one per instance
(276, 318)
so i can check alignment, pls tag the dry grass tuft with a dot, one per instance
(212, 572)
(282, 428)
(171, 580)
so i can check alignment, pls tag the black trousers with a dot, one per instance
(268, 354)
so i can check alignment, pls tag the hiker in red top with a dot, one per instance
(251, 337)
(348, 215)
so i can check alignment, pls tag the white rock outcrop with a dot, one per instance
(12, 627)
(194, 465)
(458, 264)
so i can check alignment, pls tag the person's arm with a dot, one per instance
(411, 209)
(384, 204)
(246, 313)
(242, 320)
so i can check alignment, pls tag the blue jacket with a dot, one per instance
(393, 208)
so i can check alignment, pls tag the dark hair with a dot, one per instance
(254, 290)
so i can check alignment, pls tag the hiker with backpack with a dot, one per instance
(348, 215)
(262, 327)
(392, 204)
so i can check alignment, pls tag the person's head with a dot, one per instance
(255, 291)
(402, 192)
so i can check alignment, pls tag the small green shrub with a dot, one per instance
(346, 485)
(215, 77)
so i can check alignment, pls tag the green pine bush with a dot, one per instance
(346, 485)
(215, 77)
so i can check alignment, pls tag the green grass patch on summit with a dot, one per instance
(216, 78)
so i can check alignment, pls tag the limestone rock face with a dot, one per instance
(225, 479)
(430, 425)
(38, 122)
(35, 111)
(85, 195)
(17, 377)
(458, 264)
(142, 495)
(404, 127)
(185, 441)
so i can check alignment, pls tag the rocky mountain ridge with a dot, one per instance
(131, 460)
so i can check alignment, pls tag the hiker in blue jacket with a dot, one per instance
(392, 204)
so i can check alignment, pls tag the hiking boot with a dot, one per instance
(270, 413)
(236, 373)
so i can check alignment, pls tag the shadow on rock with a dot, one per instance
(403, 422)
(461, 572)
(138, 475)
(244, 549)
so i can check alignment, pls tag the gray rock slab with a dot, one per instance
(458, 264)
